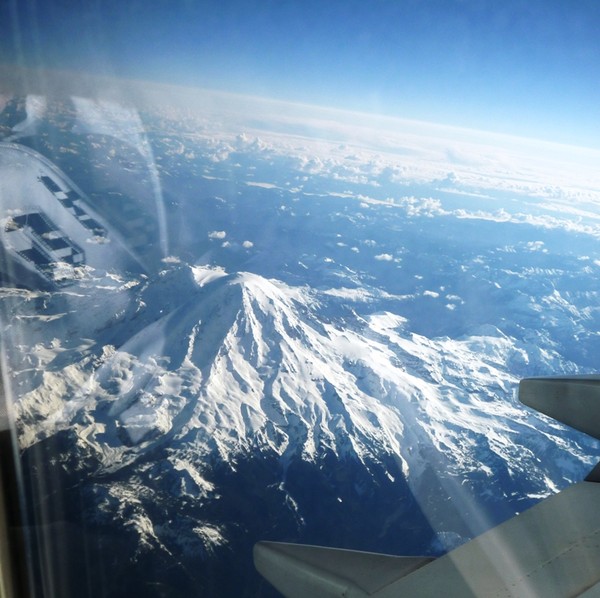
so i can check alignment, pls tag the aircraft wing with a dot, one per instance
(572, 400)
(298, 570)
(550, 550)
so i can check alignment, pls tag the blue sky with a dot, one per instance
(522, 67)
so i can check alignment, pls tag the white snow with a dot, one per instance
(205, 274)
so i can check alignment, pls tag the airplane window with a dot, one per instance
(273, 271)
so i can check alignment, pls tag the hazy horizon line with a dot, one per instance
(61, 83)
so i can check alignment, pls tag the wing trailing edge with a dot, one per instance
(572, 400)
(298, 570)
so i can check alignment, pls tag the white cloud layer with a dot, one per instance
(469, 173)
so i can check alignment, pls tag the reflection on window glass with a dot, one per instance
(229, 318)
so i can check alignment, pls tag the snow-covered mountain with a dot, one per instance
(159, 424)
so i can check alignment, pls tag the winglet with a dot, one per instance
(299, 570)
(572, 400)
